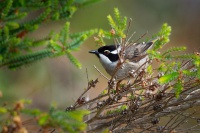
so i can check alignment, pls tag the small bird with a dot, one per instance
(134, 55)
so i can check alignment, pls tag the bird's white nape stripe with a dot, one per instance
(116, 51)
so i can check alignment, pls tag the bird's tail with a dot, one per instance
(149, 45)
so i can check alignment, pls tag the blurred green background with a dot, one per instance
(57, 80)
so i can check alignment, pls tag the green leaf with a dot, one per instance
(73, 60)
(78, 114)
(184, 56)
(111, 21)
(104, 92)
(56, 46)
(64, 33)
(197, 61)
(178, 88)
(174, 49)
(26, 59)
(149, 69)
(120, 25)
(168, 77)
(70, 121)
(26, 101)
(12, 25)
(131, 97)
(198, 73)
(163, 36)
(32, 112)
(6, 31)
(106, 130)
(162, 67)
(154, 54)
(43, 120)
(7, 8)
(75, 44)
(123, 107)
(3, 110)
(117, 15)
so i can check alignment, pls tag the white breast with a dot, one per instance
(122, 72)
(107, 64)
(142, 61)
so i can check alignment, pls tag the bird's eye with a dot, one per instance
(106, 52)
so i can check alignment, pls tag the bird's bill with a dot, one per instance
(93, 52)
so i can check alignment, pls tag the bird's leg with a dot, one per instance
(118, 86)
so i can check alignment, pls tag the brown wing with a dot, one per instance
(136, 52)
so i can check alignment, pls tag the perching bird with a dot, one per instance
(135, 56)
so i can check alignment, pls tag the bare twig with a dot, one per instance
(101, 73)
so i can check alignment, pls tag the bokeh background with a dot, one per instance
(58, 81)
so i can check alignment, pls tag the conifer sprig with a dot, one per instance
(16, 49)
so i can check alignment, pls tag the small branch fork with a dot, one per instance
(142, 104)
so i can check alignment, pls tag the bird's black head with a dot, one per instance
(110, 51)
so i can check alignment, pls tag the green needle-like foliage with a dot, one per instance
(168, 77)
(163, 35)
(66, 121)
(120, 25)
(17, 50)
(73, 60)
(71, 121)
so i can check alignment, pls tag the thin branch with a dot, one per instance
(101, 73)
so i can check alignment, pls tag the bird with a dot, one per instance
(135, 56)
